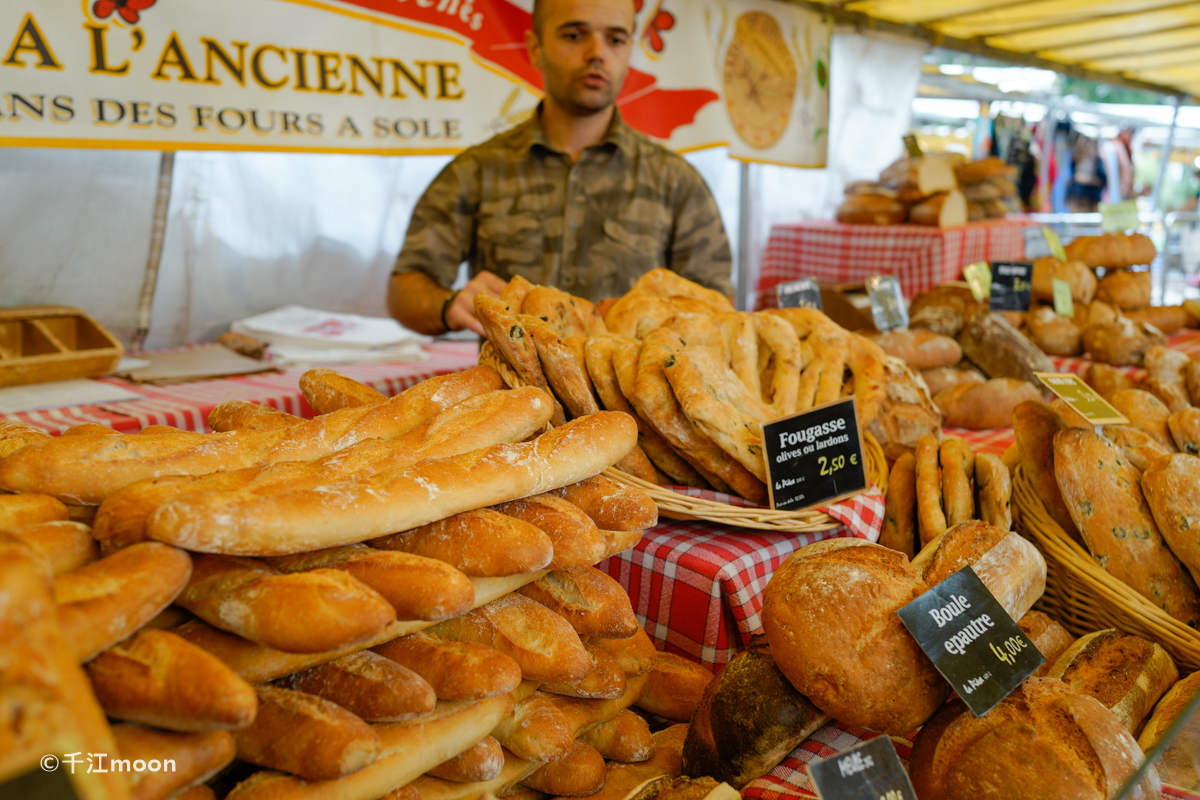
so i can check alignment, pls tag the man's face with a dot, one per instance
(583, 51)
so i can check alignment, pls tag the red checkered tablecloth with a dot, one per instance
(919, 256)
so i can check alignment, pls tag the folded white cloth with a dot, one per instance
(316, 330)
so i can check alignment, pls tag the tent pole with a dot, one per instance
(744, 226)
(1166, 156)
(162, 202)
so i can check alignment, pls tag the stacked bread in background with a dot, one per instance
(394, 598)
(940, 190)
(698, 376)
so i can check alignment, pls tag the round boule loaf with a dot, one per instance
(830, 615)
(1042, 741)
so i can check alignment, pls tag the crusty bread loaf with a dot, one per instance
(577, 540)
(1177, 765)
(919, 349)
(1122, 342)
(428, 491)
(1050, 638)
(1102, 492)
(580, 772)
(537, 730)
(623, 781)
(636, 654)
(900, 510)
(1127, 674)
(907, 412)
(626, 737)
(1056, 335)
(237, 415)
(22, 510)
(749, 719)
(605, 679)
(829, 614)
(1184, 426)
(479, 543)
(417, 587)
(407, 751)
(1147, 412)
(1108, 381)
(1167, 319)
(1034, 426)
(1170, 485)
(675, 687)
(1074, 272)
(1125, 289)
(195, 758)
(593, 603)
(102, 603)
(994, 486)
(958, 479)
(1081, 749)
(479, 763)
(49, 707)
(366, 684)
(66, 545)
(1009, 566)
(611, 505)
(1000, 350)
(306, 736)
(455, 670)
(940, 378)
(327, 390)
(1112, 250)
(872, 209)
(943, 210)
(540, 641)
(931, 511)
(16, 435)
(984, 405)
(1140, 448)
(158, 679)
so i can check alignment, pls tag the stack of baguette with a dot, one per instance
(923, 191)
(698, 376)
(394, 598)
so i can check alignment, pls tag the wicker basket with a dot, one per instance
(1083, 596)
(674, 505)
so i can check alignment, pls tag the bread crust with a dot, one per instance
(456, 670)
(482, 543)
(589, 600)
(900, 509)
(984, 405)
(1034, 426)
(327, 390)
(931, 516)
(1048, 636)
(958, 479)
(675, 687)
(1170, 488)
(368, 685)
(236, 415)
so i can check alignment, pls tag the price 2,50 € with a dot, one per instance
(832, 465)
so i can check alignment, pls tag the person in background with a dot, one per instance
(572, 198)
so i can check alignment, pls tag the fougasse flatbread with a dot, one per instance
(514, 344)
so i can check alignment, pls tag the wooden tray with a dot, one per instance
(53, 343)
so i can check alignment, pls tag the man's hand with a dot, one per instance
(461, 313)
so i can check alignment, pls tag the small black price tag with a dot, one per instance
(41, 784)
(803, 293)
(814, 456)
(971, 640)
(1012, 284)
(867, 771)
(888, 308)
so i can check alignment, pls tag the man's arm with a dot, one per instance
(699, 248)
(420, 304)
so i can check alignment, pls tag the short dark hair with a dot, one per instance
(539, 15)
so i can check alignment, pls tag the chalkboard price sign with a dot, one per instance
(971, 640)
(867, 771)
(803, 293)
(814, 456)
(1012, 285)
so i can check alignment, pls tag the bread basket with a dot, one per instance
(674, 505)
(1085, 598)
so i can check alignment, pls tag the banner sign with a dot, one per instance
(392, 77)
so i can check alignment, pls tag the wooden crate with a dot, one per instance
(53, 343)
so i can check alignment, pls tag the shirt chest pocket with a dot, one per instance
(513, 241)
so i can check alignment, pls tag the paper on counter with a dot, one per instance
(59, 394)
(306, 327)
(292, 355)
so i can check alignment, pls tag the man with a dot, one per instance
(572, 198)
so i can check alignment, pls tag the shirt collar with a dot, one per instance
(619, 134)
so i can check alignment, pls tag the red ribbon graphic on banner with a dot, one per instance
(497, 28)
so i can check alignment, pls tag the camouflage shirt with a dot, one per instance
(515, 206)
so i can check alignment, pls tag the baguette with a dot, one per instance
(327, 390)
(583, 715)
(48, 705)
(237, 415)
(102, 603)
(16, 435)
(417, 587)
(626, 737)
(245, 524)
(919, 349)
(649, 778)
(984, 405)
(537, 730)
(577, 540)
(306, 736)
(636, 654)
(604, 681)
(477, 421)
(307, 612)
(675, 687)
(580, 772)
(157, 678)
(1127, 674)
(1050, 638)
(611, 505)
(1112, 250)
(503, 785)
(366, 684)
(454, 670)
(194, 757)
(19, 511)
(1167, 319)
(900, 511)
(66, 545)
(407, 751)
(256, 662)
(540, 641)
(480, 543)
(589, 600)
(479, 763)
